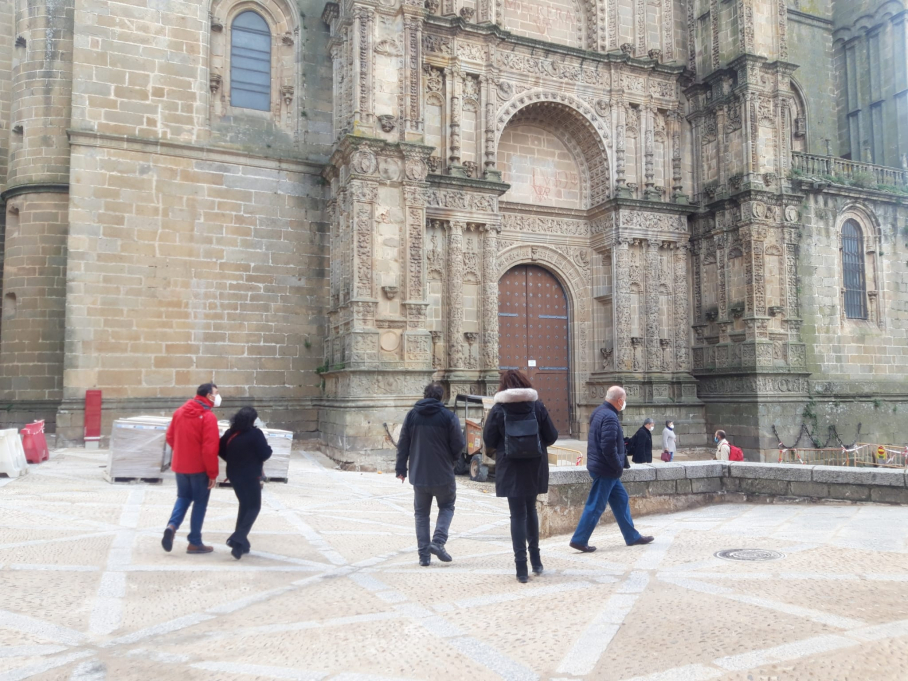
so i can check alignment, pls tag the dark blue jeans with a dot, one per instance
(192, 489)
(445, 496)
(606, 491)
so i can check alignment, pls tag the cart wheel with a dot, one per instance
(478, 472)
(461, 466)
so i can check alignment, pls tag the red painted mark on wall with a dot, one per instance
(547, 179)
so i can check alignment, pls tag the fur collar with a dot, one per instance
(516, 395)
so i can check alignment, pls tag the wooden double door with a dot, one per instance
(533, 336)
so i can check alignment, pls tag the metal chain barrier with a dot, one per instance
(833, 436)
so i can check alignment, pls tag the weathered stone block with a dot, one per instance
(662, 487)
(639, 473)
(889, 495)
(809, 489)
(766, 471)
(683, 486)
(636, 489)
(760, 486)
(705, 469)
(670, 471)
(706, 485)
(850, 492)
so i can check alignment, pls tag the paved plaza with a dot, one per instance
(332, 589)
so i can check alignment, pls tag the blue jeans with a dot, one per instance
(445, 496)
(606, 491)
(192, 488)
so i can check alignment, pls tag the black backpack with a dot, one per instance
(521, 437)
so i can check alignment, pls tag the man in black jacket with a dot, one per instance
(605, 457)
(431, 440)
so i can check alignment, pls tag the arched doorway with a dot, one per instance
(533, 336)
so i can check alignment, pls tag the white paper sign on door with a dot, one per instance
(532, 363)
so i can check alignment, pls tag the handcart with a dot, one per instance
(474, 460)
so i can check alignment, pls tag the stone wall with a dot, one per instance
(665, 488)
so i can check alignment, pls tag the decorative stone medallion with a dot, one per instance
(750, 555)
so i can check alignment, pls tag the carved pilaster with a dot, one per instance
(653, 353)
(363, 20)
(413, 115)
(363, 254)
(682, 312)
(648, 116)
(455, 296)
(416, 219)
(620, 153)
(455, 87)
(490, 298)
(621, 273)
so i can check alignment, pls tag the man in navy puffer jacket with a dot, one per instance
(605, 462)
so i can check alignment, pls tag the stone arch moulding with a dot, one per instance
(576, 286)
(286, 87)
(586, 127)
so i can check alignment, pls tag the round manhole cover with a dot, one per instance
(749, 554)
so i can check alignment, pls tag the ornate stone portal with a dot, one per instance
(581, 161)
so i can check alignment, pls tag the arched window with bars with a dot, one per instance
(853, 273)
(250, 62)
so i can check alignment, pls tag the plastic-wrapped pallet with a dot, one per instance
(12, 456)
(278, 465)
(138, 448)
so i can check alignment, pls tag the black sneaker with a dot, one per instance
(237, 552)
(167, 539)
(425, 561)
(439, 551)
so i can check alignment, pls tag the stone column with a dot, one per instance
(362, 37)
(653, 353)
(621, 268)
(620, 159)
(682, 312)
(647, 122)
(490, 299)
(455, 295)
(412, 115)
(454, 86)
(677, 183)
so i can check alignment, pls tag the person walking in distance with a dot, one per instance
(245, 450)
(641, 445)
(669, 439)
(605, 462)
(431, 441)
(520, 429)
(723, 449)
(193, 436)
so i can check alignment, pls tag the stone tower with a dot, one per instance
(37, 209)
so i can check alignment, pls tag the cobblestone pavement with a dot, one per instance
(332, 589)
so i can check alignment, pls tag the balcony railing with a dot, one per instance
(843, 171)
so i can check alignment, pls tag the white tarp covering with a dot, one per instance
(138, 449)
(12, 456)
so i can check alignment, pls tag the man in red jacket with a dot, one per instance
(193, 436)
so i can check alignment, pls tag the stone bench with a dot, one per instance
(668, 487)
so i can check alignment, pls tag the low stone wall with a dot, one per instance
(664, 488)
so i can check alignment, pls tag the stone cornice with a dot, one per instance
(34, 188)
(201, 152)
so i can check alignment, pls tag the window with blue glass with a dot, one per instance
(250, 62)
(853, 271)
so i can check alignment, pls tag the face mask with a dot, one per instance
(671, 426)
(217, 401)
(649, 428)
(623, 405)
(258, 423)
(715, 439)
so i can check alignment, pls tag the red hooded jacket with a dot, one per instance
(193, 435)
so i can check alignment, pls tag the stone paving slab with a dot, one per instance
(332, 589)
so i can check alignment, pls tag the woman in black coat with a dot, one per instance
(640, 447)
(520, 479)
(245, 449)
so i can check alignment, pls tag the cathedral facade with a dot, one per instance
(324, 206)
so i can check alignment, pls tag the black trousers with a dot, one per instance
(445, 496)
(248, 492)
(524, 528)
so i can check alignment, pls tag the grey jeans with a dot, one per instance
(444, 495)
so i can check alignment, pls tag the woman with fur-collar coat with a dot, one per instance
(520, 480)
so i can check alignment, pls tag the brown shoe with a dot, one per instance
(199, 548)
(586, 548)
(642, 541)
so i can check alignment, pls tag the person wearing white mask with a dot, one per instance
(605, 457)
(194, 437)
(640, 447)
(669, 439)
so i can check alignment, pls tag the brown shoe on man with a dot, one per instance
(199, 548)
(642, 541)
(586, 548)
